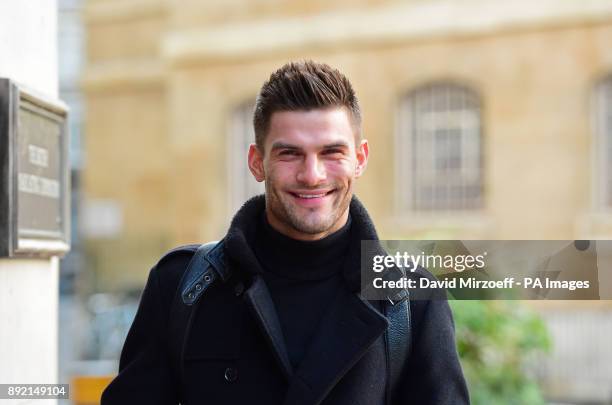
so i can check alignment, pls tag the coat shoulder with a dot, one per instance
(188, 250)
(170, 269)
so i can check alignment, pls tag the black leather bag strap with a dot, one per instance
(206, 266)
(399, 342)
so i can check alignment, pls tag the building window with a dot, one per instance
(241, 183)
(603, 98)
(439, 159)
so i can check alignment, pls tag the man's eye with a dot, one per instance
(288, 152)
(332, 151)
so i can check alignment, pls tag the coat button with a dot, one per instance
(231, 374)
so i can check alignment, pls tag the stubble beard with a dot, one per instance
(312, 223)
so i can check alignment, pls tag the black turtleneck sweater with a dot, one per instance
(303, 277)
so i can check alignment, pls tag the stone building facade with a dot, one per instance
(486, 119)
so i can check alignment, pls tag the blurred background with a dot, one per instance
(487, 119)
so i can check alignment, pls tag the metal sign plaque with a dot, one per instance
(34, 199)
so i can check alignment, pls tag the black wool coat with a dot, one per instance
(234, 352)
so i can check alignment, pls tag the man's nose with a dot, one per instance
(311, 172)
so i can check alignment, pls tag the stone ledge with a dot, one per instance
(389, 24)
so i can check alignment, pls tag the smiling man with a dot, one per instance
(272, 314)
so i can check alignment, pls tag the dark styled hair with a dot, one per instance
(304, 86)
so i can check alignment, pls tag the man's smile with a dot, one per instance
(311, 198)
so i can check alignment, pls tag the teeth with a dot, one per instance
(311, 195)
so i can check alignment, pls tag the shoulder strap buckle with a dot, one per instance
(204, 268)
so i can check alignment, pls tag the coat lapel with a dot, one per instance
(261, 305)
(345, 333)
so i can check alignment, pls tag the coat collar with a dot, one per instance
(346, 331)
(243, 231)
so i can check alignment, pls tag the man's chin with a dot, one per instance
(314, 226)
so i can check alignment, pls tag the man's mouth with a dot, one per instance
(319, 194)
(311, 197)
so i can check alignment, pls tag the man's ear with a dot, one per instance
(256, 163)
(363, 150)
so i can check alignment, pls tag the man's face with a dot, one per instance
(309, 163)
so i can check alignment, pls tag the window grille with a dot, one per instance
(439, 159)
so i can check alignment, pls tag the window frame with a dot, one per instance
(603, 142)
(240, 134)
(405, 143)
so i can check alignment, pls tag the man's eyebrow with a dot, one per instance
(339, 144)
(283, 145)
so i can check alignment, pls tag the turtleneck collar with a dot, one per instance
(301, 260)
(242, 236)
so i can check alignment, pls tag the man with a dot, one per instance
(289, 326)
